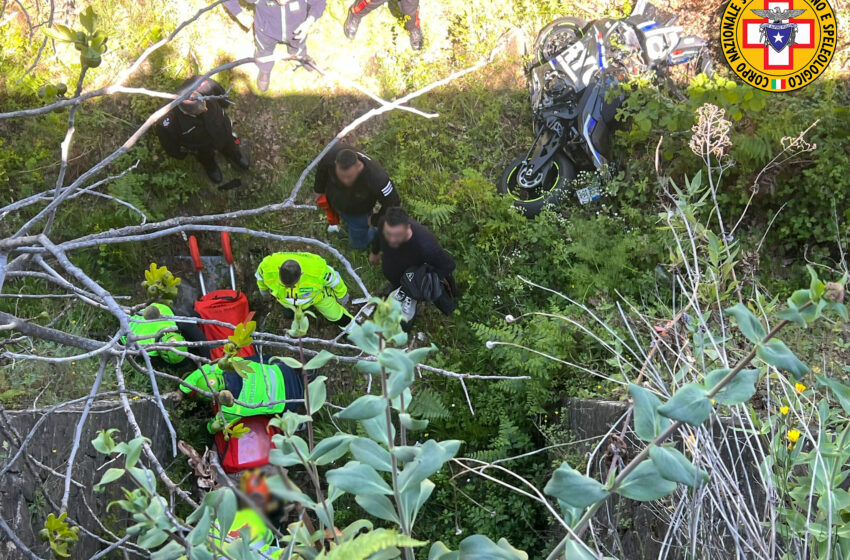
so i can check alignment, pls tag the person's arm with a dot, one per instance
(195, 380)
(168, 138)
(235, 9)
(438, 258)
(385, 190)
(335, 283)
(261, 283)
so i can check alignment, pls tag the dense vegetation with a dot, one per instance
(616, 252)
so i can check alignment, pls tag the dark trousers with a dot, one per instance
(265, 46)
(407, 10)
(206, 154)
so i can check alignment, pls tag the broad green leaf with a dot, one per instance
(226, 511)
(365, 407)
(577, 551)
(401, 369)
(739, 390)
(319, 360)
(133, 453)
(365, 336)
(171, 551)
(749, 325)
(413, 499)
(377, 429)
(201, 553)
(358, 478)
(645, 484)
(331, 448)
(777, 354)
(370, 452)
(816, 287)
(152, 538)
(439, 551)
(104, 443)
(839, 390)
(288, 451)
(89, 19)
(689, 404)
(412, 424)
(379, 506)
(573, 488)
(648, 423)
(318, 393)
(288, 492)
(199, 533)
(61, 33)
(287, 360)
(432, 459)
(111, 475)
(479, 547)
(675, 467)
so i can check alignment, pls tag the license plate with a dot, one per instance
(588, 194)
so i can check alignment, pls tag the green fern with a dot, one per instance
(509, 439)
(429, 405)
(433, 213)
(363, 546)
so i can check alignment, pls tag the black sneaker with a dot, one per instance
(352, 22)
(417, 40)
(213, 172)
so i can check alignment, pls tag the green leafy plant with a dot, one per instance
(59, 535)
(90, 41)
(160, 284)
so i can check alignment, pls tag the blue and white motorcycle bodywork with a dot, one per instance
(573, 79)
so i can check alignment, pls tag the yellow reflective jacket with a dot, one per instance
(318, 279)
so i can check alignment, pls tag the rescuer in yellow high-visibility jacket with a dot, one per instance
(304, 280)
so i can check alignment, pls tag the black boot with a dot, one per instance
(352, 22)
(237, 155)
(210, 166)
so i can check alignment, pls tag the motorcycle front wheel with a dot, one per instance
(549, 187)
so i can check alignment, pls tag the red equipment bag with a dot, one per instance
(251, 450)
(228, 306)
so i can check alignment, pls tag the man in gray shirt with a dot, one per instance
(277, 21)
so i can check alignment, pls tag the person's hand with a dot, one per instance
(245, 20)
(301, 31)
(316, 197)
(374, 258)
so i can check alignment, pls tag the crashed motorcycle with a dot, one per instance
(574, 79)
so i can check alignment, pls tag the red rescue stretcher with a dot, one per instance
(231, 306)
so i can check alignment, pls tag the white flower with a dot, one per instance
(490, 344)
(509, 318)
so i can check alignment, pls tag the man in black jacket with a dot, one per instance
(353, 183)
(415, 264)
(199, 127)
(405, 10)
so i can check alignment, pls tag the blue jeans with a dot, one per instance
(360, 233)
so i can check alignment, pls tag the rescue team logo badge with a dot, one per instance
(778, 45)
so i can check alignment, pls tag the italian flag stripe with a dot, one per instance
(777, 83)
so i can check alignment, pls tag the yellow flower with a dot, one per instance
(800, 387)
(793, 435)
(816, 369)
(784, 410)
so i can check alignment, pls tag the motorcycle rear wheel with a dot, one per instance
(551, 189)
